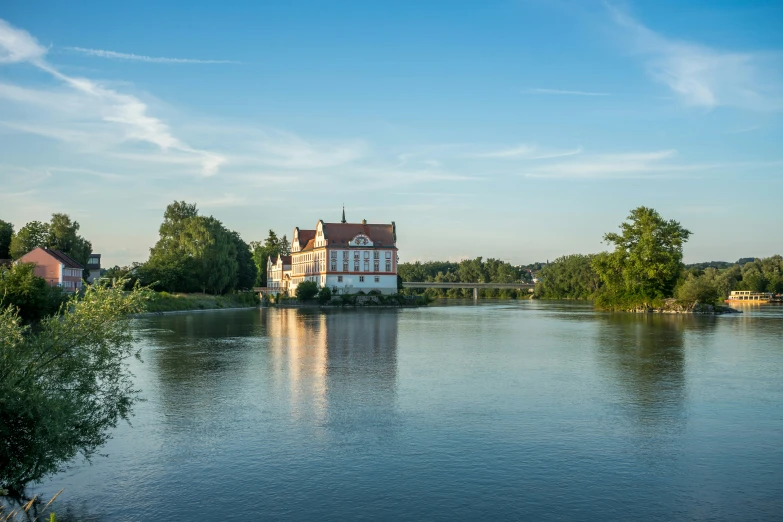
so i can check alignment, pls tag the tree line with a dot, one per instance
(646, 265)
(60, 233)
(196, 253)
(467, 271)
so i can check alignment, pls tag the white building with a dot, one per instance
(345, 257)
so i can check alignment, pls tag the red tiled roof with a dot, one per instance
(286, 260)
(305, 236)
(340, 234)
(309, 245)
(63, 258)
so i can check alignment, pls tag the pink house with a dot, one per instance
(58, 268)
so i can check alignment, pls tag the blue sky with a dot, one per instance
(521, 130)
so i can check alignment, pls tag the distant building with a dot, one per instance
(56, 267)
(94, 267)
(345, 257)
(278, 274)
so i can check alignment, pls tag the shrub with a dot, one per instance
(374, 292)
(699, 289)
(324, 295)
(306, 290)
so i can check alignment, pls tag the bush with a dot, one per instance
(374, 292)
(306, 290)
(324, 295)
(698, 289)
(30, 294)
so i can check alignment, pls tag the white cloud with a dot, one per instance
(706, 77)
(525, 151)
(123, 111)
(626, 165)
(140, 58)
(567, 92)
(17, 45)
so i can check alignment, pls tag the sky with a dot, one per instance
(516, 129)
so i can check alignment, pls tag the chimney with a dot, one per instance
(364, 221)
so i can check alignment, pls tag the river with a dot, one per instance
(500, 410)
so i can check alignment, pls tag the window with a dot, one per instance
(377, 279)
(375, 254)
(388, 266)
(366, 255)
(376, 267)
(361, 279)
(334, 266)
(388, 255)
(345, 266)
(366, 266)
(339, 279)
(355, 266)
(356, 255)
(334, 254)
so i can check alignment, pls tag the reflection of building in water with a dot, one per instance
(340, 366)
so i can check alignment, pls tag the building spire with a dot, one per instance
(343, 221)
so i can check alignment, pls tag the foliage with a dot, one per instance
(701, 289)
(33, 235)
(762, 275)
(66, 383)
(6, 233)
(467, 271)
(196, 253)
(166, 302)
(646, 262)
(568, 277)
(306, 290)
(272, 246)
(61, 233)
(324, 295)
(29, 294)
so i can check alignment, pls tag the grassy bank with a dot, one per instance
(166, 302)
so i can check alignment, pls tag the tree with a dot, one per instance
(272, 246)
(700, 289)
(568, 277)
(306, 290)
(65, 384)
(63, 236)
(324, 295)
(247, 272)
(6, 233)
(33, 298)
(33, 235)
(647, 260)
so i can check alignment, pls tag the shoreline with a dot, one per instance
(196, 310)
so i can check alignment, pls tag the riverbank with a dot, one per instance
(163, 302)
(357, 301)
(674, 306)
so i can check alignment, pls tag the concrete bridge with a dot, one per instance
(475, 286)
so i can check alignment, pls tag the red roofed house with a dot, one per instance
(58, 268)
(346, 257)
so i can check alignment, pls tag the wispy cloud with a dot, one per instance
(703, 76)
(625, 165)
(123, 111)
(525, 151)
(567, 92)
(141, 58)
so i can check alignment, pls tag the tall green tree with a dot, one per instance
(647, 258)
(247, 272)
(272, 246)
(63, 235)
(6, 234)
(568, 277)
(33, 235)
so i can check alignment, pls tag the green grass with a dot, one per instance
(166, 302)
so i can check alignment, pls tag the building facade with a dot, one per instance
(56, 267)
(94, 268)
(345, 257)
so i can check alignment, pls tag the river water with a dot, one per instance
(494, 411)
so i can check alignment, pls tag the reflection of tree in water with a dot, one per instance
(646, 356)
(195, 357)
